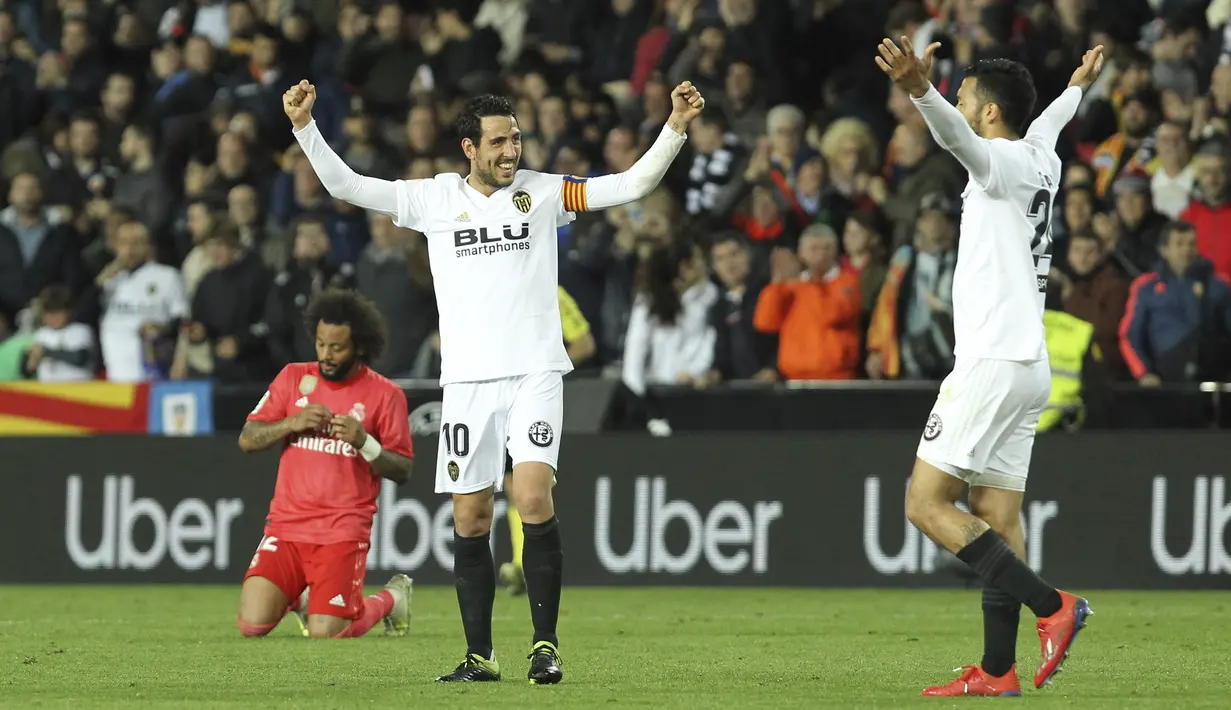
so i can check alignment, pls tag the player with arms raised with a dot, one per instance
(492, 245)
(981, 431)
(342, 427)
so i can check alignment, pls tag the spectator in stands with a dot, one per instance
(36, 249)
(189, 79)
(393, 273)
(863, 256)
(1096, 292)
(1078, 216)
(1102, 111)
(245, 213)
(740, 352)
(1178, 319)
(742, 102)
(813, 306)
(63, 351)
(850, 151)
(143, 303)
(234, 165)
(1140, 225)
(1210, 211)
(911, 333)
(1172, 185)
(670, 339)
(118, 102)
(381, 65)
(1127, 150)
(143, 187)
(918, 170)
(227, 310)
(305, 194)
(718, 162)
(309, 272)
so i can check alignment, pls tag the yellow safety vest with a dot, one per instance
(1068, 340)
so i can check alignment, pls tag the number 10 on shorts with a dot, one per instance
(456, 438)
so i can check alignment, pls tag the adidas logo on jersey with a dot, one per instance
(301, 402)
(463, 217)
(337, 601)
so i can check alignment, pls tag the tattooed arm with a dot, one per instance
(258, 436)
(394, 466)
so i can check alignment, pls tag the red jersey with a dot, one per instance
(326, 492)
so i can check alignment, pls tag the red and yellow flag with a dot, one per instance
(72, 408)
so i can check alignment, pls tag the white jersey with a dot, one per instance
(1004, 249)
(153, 293)
(493, 258)
(494, 267)
(74, 337)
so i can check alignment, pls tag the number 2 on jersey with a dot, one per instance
(1040, 207)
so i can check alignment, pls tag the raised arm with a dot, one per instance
(339, 180)
(948, 126)
(1055, 117)
(598, 193)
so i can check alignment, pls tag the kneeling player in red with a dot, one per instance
(320, 519)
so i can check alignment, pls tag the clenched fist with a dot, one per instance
(686, 105)
(297, 102)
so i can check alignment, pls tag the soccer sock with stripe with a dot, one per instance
(474, 575)
(994, 561)
(517, 536)
(544, 570)
(375, 608)
(1001, 616)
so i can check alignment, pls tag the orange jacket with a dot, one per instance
(817, 323)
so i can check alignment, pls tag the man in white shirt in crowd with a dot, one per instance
(494, 259)
(143, 303)
(62, 351)
(980, 433)
(1172, 184)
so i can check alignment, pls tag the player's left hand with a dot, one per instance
(1091, 66)
(348, 429)
(686, 104)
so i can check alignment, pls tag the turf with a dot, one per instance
(169, 646)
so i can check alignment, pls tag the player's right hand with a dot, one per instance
(311, 418)
(912, 73)
(297, 102)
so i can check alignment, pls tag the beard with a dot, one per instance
(339, 370)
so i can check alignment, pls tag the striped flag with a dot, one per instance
(72, 408)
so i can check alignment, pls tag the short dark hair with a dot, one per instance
(729, 236)
(1172, 228)
(1007, 84)
(340, 307)
(470, 120)
(56, 297)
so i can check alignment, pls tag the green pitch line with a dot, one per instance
(168, 646)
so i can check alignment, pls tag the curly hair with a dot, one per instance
(470, 120)
(338, 307)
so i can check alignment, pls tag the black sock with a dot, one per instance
(474, 575)
(543, 564)
(1001, 616)
(995, 562)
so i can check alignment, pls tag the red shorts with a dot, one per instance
(334, 572)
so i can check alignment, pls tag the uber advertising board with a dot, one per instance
(1141, 510)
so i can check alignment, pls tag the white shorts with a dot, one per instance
(981, 429)
(480, 420)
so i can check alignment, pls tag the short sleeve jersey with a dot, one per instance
(494, 266)
(1004, 253)
(153, 293)
(326, 492)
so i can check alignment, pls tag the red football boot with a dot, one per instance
(1057, 633)
(975, 682)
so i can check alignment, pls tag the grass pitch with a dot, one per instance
(169, 646)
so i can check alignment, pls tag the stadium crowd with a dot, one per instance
(160, 221)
